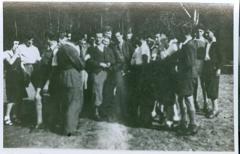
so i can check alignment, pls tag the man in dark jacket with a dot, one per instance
(212, 71)
(187, 58)
(70, 65)
(100, 61)
(121, 67)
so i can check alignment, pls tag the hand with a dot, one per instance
(108, 64)
(154, 56)
(87, 57)
(176, 68)
(218, 72)
(104, 65)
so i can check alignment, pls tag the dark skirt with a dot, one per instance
(211, 80)
(185, 87)
(15, 89)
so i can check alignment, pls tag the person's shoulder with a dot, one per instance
(34, 47)
(7, 51)
(22, 46)
(192, 43)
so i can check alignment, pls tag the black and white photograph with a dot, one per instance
(135, 76)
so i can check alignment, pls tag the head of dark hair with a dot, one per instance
(61, 35)
(119, 31)
(28, 36)
(50, 35)
(137, 42)
(107, 28)
(143, 36)
(186, 29)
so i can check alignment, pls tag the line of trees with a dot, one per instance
(80, 18)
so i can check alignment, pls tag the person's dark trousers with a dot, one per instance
(134, 94)
(122, 97)
(72, 106)
(54, 113)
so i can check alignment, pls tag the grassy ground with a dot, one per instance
(214, 134)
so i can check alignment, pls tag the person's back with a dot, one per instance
(187, 59)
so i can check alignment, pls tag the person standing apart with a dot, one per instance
(212, 71)
(201, 49)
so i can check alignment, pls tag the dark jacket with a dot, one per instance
(187, 60)
(122, 56)
(97, 57)
(70, 64)
(42, 70)
(216, 56)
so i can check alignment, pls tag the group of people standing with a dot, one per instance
(133, 80)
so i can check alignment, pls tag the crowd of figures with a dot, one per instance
(135, 80)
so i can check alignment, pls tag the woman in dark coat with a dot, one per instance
(15, 89)
(71, 86)
(212, 71)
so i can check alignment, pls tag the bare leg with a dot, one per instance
(176, 109)
(191, 110)
(38, 102)
(204, 93)
(215, 109)
(183, 111)
(9, 109)
(7, 118)
(195, 86)
(193, 128)
(215, 105)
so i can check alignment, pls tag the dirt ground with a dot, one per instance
(214, 134)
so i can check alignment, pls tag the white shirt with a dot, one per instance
(136, 57)
(145, 50)
(54, 49)
(28, 55)
(139, 52)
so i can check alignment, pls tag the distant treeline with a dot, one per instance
(80, 18)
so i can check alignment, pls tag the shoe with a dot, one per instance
(193, 129)
(69, 134)
(206, 110)
(40, 126)
(17, 121)
(97, 116)
(37, 128)
(213, 114)
(182, 129)
(7, 121)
